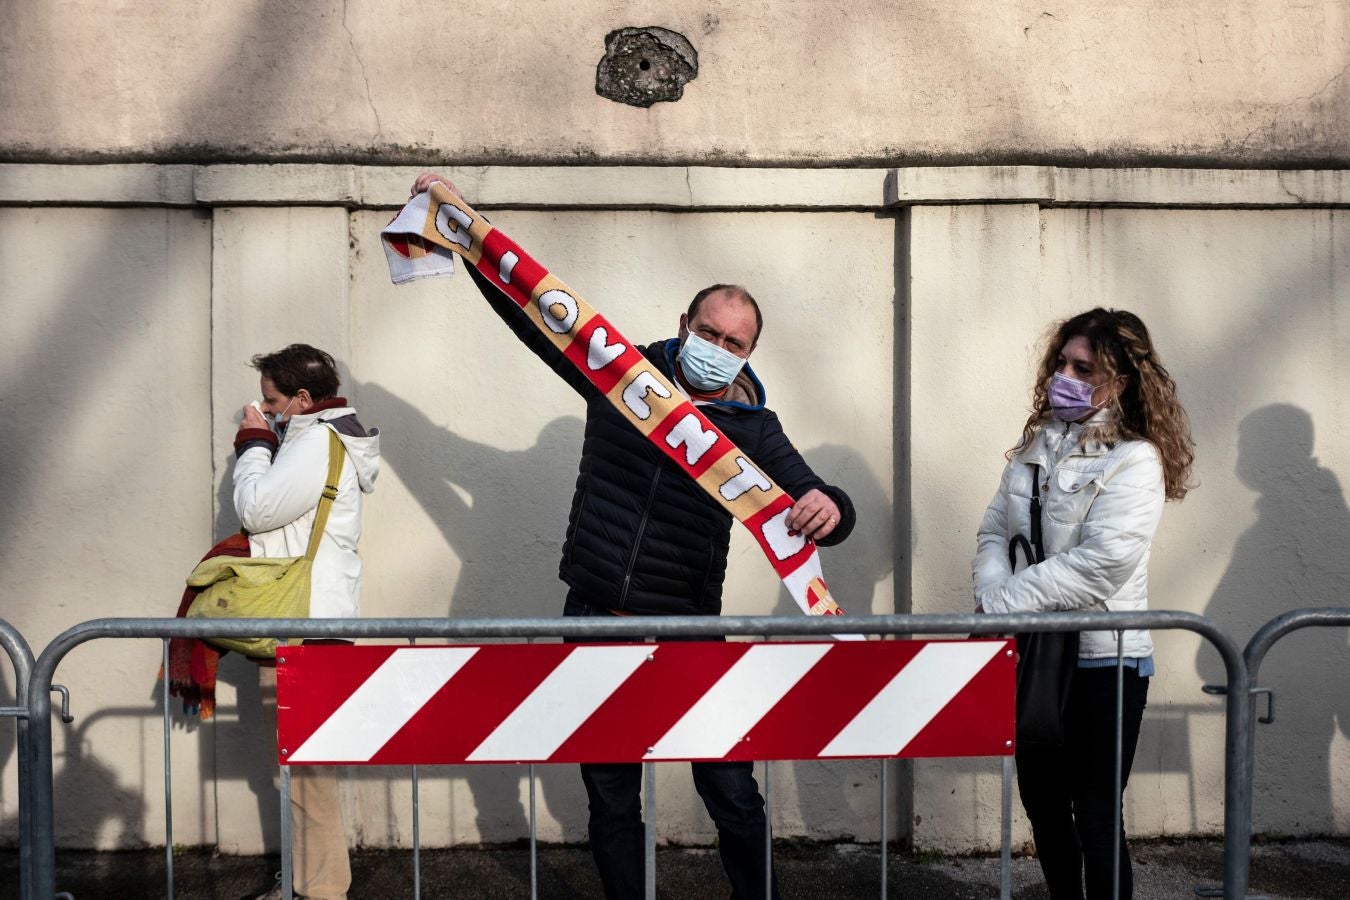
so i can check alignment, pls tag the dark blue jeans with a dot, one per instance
(1069, 793)
(728, 790)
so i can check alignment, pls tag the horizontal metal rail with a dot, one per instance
(21, 657)
(1237, 766)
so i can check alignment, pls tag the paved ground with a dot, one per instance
(1316, 870)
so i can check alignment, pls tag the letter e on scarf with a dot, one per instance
(634, 395)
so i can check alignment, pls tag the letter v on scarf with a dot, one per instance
(434, 222)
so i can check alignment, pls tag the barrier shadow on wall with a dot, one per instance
(93, 808)
(1297, 554)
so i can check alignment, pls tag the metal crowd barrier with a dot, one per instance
(21, 657)
(1237, 745)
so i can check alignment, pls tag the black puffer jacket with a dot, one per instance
(644, 538)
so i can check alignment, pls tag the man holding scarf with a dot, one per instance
(644, 538)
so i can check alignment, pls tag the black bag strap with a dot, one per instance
(1034, 550)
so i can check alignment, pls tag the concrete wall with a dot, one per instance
(902, 307)
(1228, 82)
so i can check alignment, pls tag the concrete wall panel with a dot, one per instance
(974, 287)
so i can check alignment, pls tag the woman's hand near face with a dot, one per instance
(252, 418)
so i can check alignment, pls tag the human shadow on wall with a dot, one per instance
(852, 569)
(1295, 555)
(514, 520)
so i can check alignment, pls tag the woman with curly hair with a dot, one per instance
(1107, 442)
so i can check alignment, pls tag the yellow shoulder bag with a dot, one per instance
(235, 587)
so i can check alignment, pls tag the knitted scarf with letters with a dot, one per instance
(434, 222)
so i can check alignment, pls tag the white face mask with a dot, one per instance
(706, 366)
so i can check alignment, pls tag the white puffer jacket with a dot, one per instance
(1100, 506)
(277, 499)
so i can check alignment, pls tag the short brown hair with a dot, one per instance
(735, 290)
(298, 367)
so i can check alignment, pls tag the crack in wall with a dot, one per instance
(1279, 179)
(1284, 106)
(365, 76)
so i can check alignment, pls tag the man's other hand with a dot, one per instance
(815, 515)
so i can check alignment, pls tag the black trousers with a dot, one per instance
(1068, 792)
(732, 799)
(728, 791)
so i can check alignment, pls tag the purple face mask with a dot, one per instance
(1070, 399)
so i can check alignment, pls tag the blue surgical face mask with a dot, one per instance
(706, 366)
(1070, 399)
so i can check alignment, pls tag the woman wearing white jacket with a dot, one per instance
(1106, 443)
(279, 475)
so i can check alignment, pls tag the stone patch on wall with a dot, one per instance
(642, 66)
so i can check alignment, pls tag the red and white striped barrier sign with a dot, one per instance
(554, 703)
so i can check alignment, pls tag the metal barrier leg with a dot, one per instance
(649, 828)
(40, 788)
(168, 783)
(885, 822)
(534, 842)
(534, 830)
(1118, 825)
(417, 835)
(26, 890)
(286, 873)
(21, 657)
(416, 823)
(1239, 750)
(768, 834)
(1005, 833)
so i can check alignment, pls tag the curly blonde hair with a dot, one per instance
(1146, 409)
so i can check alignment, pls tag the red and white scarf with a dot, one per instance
(435, 226)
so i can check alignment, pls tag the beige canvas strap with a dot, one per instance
(336, 453)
